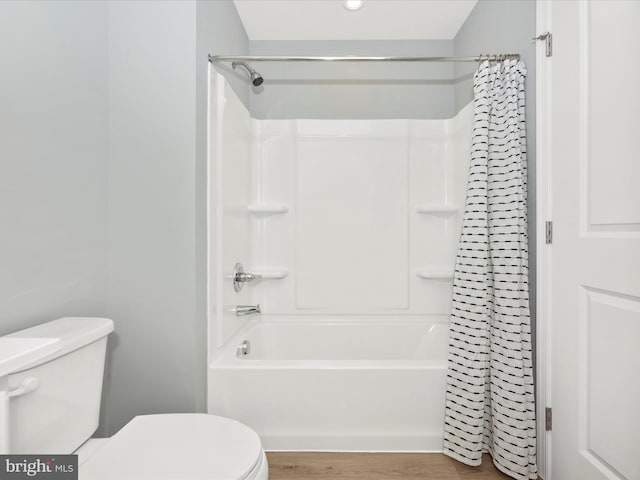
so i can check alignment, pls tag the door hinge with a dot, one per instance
(548, 42)
(548, 419)
(548, 231)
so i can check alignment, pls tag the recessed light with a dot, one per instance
(353, 5)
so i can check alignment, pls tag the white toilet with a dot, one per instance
(55, 407)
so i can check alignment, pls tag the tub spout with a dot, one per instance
(243, 310)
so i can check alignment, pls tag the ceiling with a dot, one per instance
(376, 20)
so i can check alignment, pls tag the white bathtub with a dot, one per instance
(336, 385)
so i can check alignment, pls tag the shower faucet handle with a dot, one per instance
(245, 276)
(240, 277)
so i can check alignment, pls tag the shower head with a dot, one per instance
(256, 78)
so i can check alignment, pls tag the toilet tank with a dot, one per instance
(63, 411)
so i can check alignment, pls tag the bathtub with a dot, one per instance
(328, 385)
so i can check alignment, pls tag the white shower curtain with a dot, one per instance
(490, 397)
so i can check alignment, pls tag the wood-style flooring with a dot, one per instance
(375, 466)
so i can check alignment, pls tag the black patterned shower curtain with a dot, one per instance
(490, 403)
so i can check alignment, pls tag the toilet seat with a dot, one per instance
(178, 446)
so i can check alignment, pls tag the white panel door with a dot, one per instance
(595, 266)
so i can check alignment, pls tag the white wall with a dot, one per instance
(53, 161)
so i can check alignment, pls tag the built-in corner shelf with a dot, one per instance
(271, 274)
(267, 209)
(438, 273)
(436, 208)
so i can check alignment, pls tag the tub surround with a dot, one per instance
(354, 216)
(366, 208)
(353, 226)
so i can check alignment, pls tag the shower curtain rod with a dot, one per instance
(263, 58)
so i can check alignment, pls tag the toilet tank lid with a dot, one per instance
(73, 333)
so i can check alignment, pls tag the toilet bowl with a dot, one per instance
(185, 446)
